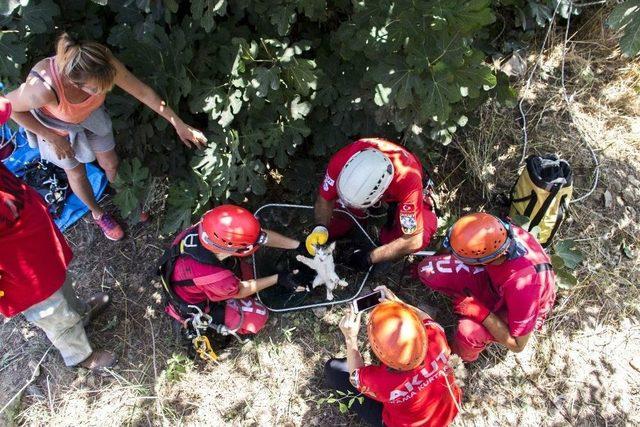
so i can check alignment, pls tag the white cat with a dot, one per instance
(323, 264)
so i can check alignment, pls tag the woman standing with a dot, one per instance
(61, 107)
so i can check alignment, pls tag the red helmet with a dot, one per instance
(478, 238)
(397, 336)
(5, 110)
(230, 229)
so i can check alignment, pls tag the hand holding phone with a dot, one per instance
(387, 294)
(366, 302)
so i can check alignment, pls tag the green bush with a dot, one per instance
(274, 84)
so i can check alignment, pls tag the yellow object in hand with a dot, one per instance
(318, 237)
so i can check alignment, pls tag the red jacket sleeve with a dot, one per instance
(522, 298)
(365, 382)
(410, 211)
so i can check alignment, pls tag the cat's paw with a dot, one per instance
(343, 283)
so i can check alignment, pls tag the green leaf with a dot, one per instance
(505, 93)
(38, 16)
(470, 15)
(627, 251)
(233, 106)
(557, 262)
(570, 254)
(381, 96)
(8, 6)
(541, 12)
(263, 79)
(313, 9)
(626, 17)
(405, 93)
(566, 279)
(209, 98)
(300, 74)
(343, 407)
(282, 17)
(171, 5)
(181, 199)
(12, 54)
(205, 11)
(127, 201)
(299, 110)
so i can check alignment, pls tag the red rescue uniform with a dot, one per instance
(34, 255)
(423, 396)
(215, 283)
(413, 214)
(518, 291)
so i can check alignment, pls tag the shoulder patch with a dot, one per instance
(328, 182)
(408, 223)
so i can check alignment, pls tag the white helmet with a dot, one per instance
(364, 178)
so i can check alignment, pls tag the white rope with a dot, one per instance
(455, 401)
(568, 101)
(525, 135)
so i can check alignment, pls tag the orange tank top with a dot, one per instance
(65, 110)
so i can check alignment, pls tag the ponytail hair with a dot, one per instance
(83, 61)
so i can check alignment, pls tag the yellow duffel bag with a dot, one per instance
(542, 193)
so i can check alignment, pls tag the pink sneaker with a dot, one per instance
(144, 216)
(110, 227)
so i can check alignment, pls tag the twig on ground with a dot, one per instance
(49, 396)
(35, 373)
(560, 409)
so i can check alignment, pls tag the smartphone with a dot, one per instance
(366, 302)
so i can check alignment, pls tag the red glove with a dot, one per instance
(470, 307)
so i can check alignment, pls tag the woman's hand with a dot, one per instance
(350, 325)
(62, 147)
(387, 294)
(189, 135)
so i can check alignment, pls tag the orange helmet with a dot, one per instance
(397, 336)
(478, 238)
(230, 229)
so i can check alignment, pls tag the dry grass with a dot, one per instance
(580, 370)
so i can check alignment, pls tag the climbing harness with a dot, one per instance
(50, 182)
(201, 323)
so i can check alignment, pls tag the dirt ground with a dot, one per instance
(583, 368)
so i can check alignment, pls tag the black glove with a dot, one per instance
(287, 261)
(294, 282)
(360, 260)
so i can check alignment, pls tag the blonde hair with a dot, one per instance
(85, 61)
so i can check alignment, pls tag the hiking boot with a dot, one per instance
(99, 360)
(110, 227)
(96, 305)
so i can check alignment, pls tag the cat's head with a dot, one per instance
(325, 251)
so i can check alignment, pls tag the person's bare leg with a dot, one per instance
(109, 161)
(80, 185)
